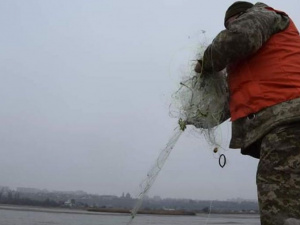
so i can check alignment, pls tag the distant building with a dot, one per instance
(70, 202)
(108, 197)
(128, 196)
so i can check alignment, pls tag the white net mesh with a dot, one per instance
(153, 173)
(202, 101)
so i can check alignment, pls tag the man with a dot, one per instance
(260, 49)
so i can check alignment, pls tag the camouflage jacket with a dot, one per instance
(244, 36)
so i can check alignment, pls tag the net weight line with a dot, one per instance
(154, 171)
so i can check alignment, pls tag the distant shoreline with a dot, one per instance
(148, 212)
(47, 209)
(105, 211)
(91, 211)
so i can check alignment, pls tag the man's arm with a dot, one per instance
(244, 36)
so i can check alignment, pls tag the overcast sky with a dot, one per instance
(85, 92)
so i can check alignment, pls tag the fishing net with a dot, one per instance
(202, 101)
(154, 171)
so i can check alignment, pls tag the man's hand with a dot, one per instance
(198, 67)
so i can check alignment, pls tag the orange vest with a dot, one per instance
(269, 77)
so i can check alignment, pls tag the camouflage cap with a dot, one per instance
(237, 8)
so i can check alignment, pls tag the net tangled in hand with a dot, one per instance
(202, 101)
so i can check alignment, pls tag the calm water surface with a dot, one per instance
(18, 216)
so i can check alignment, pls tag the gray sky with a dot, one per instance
(85, 92)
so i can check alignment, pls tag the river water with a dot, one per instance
(11, 215)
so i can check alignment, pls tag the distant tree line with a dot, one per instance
(13, 198)
(84, 200)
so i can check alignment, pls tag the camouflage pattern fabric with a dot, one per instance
(273, 134)
(244, 36)
(278, 176)
(247, 131)
(291, 221)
